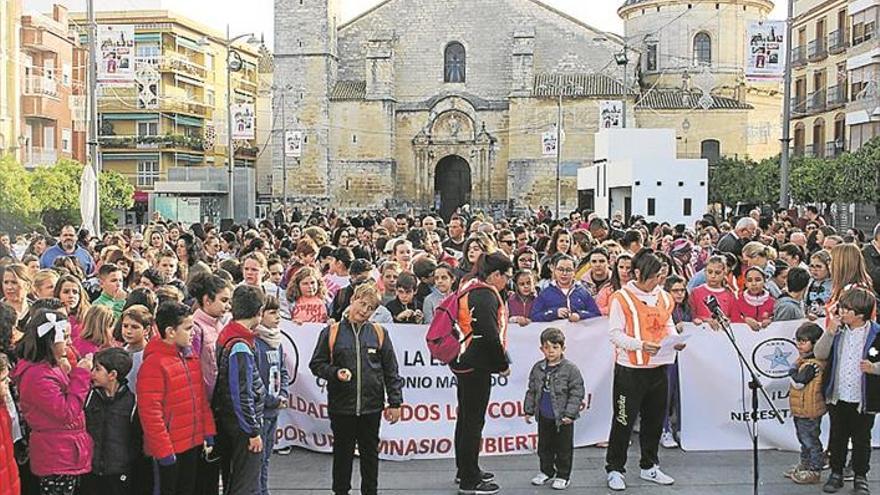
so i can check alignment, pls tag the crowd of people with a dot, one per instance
(150, 360)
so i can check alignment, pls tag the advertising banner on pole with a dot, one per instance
(610, 114)
(548, 143)
(116, 46)
(293, 144)
(765, 51)
(243, 121)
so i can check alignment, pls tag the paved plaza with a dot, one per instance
(696, 473)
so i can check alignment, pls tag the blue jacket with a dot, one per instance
(870, 403)
(83, 256)
(275, 376)
(552, 298)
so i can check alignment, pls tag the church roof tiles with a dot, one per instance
(349, 90)
(679, 99)
(583, 85)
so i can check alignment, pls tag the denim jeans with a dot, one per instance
(268, 435)
(808, 431)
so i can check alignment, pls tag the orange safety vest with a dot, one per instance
(644, 322)
(465, 319)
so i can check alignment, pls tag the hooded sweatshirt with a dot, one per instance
(240, 396)
(270, 362)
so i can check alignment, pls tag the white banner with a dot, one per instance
(293, 141)
(548, 143)
(243, 119)
(715, 400)
(116, 45)
(765, 51)
(610, 114)
(426, 429)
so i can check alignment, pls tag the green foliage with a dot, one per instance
(17, 206)
(858, 174)
(744, 180)
(813, 180)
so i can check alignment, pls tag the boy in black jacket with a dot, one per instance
(112, 422)
(355, 412)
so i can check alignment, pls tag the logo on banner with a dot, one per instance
(773, 358)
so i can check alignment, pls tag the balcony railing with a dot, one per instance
(837, 41)
(798, 106)
(833, 149)
(836, 96)
(36, 157)
(808, 150)
(40, 86)
(816, 101)
(817, 50)
(180, 63)
(167, 141)
(799, 56)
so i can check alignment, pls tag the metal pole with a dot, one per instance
(93, 111)
(283, 151)
(230, 145)
(784, 197)
(558, 152)
(623, 109)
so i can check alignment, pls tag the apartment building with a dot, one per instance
(820, 82)
(863, 64)
(174, 115)
(53, 64)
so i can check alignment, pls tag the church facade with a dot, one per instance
(440, 103)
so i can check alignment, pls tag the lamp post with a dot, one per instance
(622, 60)
(784, 167)
(233, 64)
(560, 87)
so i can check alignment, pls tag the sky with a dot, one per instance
(257, 15)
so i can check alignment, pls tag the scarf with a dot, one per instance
(271, 336)
(758, 300)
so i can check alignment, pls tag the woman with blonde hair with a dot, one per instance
(44, 284)
(97, 332)
(307, 295)
(848, 268)
(16, 287)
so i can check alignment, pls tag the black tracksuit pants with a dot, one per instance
(348, 431)
(555, 447)
(638, 392)
(848, 423)
(473, 399)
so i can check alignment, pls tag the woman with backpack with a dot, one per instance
(485, 327)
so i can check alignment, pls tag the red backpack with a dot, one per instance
(444, 337)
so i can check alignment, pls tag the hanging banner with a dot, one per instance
(765, 49)
(715, 399)
(116, 47)
(610, 114)
(243, 121)
(548, 143)
(293, 141)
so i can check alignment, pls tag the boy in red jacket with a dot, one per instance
(174, 411)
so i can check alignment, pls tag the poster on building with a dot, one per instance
(243, 120)
(116, 46)
(765, 48)
(548, 143)
(293, 144)
(610, 114)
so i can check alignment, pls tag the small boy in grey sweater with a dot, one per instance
(555, 394)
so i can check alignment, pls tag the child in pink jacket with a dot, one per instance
(52, 395)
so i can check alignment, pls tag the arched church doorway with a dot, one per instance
(452, 185)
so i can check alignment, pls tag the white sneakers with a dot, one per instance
(540, 479)
(616, 481)
(667, 440)
(560, 484)
(656, 476)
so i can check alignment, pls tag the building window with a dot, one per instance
(147, 173)
(454, 63)
(66, 145)
(147, 129)
(702, 49)
(651, 206)
(148, 52)
(686, 210)
(651, 59)
(710, 149)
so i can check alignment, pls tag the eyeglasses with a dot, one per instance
(509, 242)
(527, 260)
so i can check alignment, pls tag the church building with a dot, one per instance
(441, 103)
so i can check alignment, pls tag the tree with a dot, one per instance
(858, 174)
(116, 193)
(814, 180)
(17, 206)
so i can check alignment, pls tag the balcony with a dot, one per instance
(243, 85)
(798, 106)
(837, 42)
(836, 97)
(809, 151)
(126, 103)
(179, 63)
(816, 101)
(798, 56)
(164, 142)
(817, 50)
(40, 86)
(36, 157)
(34, 38)
(833, 149)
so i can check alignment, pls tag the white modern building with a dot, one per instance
(636, 172)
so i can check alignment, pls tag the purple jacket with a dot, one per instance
(578, 300)
(519, 306)
(52, 404)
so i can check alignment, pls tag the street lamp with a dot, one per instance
(233, 64)
(560, 87)
(622, 60)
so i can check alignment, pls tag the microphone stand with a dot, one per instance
(754, 385)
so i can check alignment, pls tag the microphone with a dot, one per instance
(715, 308)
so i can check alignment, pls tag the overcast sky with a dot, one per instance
(256, 15)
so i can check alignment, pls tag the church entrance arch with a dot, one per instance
(452, 185)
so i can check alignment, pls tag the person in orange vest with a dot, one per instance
(640, 317)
